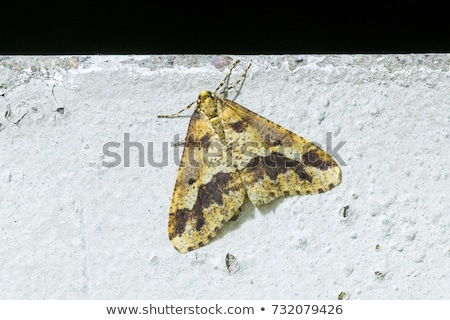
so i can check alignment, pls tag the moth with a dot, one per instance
(231, 153)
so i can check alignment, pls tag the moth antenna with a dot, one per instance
(227, 77)
(176, 114)
(244, 74)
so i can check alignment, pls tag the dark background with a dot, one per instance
(219, 27)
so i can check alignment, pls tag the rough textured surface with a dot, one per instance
(72, 228)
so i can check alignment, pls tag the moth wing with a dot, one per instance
(208, 190)
(273, 161)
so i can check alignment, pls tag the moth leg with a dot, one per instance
(179, 143)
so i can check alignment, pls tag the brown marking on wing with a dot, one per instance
(209, 193)
(238, 126)
(205, 141)
(322, 161)
(274, 165)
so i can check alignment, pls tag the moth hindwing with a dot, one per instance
(231, 152)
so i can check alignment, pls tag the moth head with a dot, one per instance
(207, 103)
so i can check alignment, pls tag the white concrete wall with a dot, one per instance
(74, 229)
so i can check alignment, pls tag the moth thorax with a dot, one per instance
(207, 104)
